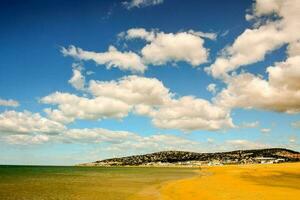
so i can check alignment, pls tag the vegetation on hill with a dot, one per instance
(273, 155)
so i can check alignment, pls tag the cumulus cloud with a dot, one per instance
(119, 142)
(212, 88)
(253, 44)
(294, 49)
(26, 128)
(162, 48)
(59, 116)
(280, 91)
(248, 48)
(112, 58)
(286, 74)
(71, 107)
(9, 103)
(265, 7)
(133, 90)
(249, 91)
(276, 23)
(113, 141)
(77, 80)
(141, 3)
(142, 96)
(111, 99)
(138, 33)
(189, 113)
(12, 122)
(124, 142)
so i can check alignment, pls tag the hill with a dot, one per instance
(175, 158)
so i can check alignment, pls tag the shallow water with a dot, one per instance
(47, 183)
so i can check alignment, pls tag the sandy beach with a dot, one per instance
(247, 182)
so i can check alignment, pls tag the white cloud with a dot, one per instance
(9, 103)
(280, 93)
(161, 48)
(189, 113)
(211, 36)
(265, 130)
(59, 116)
(77, 80)
(248, 48)
(265, 7)
(253, 44)
(113, 141)
(175, 47)
(143, 96)
(212, 88)
(124, 140)
(133, 90)
(250, 124)
(112, 58)
(140, 33)
(26, 128)
(73, 107)
(111, 99)
(245, 144)
(141, 3)
(154, 143)
(98, 135)
(295, 124)
(26, 139)
(286, 74)
(210, 140)
(12, 122)
(294, 49)
(293, 139)
(225, 33)
(123, 143)
(25, 132)
(90, 73)
(149, 97)
(172, 47)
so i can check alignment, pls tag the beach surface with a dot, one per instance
(243, 182)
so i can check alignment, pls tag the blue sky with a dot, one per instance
(166, 56)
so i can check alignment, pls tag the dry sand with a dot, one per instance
(244, 182)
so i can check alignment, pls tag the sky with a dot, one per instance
(87, 80)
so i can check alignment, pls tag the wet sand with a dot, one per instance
(245, 182)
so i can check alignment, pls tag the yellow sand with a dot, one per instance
(244, 182)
